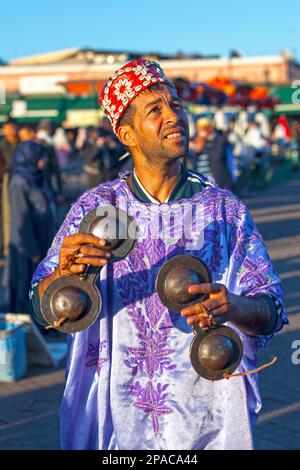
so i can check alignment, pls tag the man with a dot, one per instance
(212, 153)
(130, 383)
(8, 146)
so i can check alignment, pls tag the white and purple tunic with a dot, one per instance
(130, 383)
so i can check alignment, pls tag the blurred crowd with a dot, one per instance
(37, 164)
(228, 147)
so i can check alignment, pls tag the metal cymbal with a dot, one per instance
(111, 224)
(216, 352)
(73, 298)
(174, 278)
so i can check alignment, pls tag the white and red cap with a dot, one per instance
(126, 84)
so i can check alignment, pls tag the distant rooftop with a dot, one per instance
(96, 56)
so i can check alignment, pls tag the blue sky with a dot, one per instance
(208, 27)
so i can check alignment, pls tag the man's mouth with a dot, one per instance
(173, 136)
(176, 135)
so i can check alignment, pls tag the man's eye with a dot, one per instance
(154, 110)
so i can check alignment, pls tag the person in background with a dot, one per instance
(211, 153)
(74, 156)
(53, 180)
(8, 146)
(282, 133)
(44, 132)
(112, 150)
(62, 147)
(220, 120)
(93, 155)
(264, 124)
(295, 144)
(31, 220)
(257, 144)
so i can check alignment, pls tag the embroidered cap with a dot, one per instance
(126, 84)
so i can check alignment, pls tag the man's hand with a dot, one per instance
(217, 307)
(250, 315)
(76, 252)
(79, 250)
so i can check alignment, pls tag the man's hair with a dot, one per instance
(28, 127)
(127, 118)
(10, 121)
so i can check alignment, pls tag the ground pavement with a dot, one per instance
(29, 408)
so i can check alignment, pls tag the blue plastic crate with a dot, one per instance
(13, 358)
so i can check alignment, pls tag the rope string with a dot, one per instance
(228, 376)
(56, 324)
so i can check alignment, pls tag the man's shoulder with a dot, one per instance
(103, 193)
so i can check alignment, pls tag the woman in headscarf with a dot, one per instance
(31, 223)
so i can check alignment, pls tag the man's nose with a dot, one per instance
(170, 115)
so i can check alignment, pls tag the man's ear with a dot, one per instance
(126, 135)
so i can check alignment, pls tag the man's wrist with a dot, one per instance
(47, 280)
(251, 315)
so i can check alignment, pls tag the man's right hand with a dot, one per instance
(79, 250)
(76, 252)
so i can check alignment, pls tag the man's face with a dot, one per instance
(26, 135)
(205, 131)
(9, 131)
(160, 124)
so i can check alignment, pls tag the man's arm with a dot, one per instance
(42, 286)
(252, 298)
(252, 315)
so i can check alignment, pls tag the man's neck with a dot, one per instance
(159, 181)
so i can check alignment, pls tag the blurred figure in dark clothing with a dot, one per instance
(31, 221)
(75, 156)
(44, 137)
(93, 155)
(53, 181)
(211, 153)
(8, 146)
(112, 150)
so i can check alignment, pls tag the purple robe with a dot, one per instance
(130, 383)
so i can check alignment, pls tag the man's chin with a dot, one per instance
(178, 152)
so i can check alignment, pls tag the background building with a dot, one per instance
(63, 85)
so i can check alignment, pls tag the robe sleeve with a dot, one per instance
(69, 227)
(251, 271)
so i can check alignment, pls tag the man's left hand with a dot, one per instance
(215, 309)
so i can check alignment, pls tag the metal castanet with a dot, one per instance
(176, 276)
(73, 303)
(214, 351)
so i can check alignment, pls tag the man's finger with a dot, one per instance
(77, 268)
(83, 239)
(205, 288)
(212, 304)
(203, 322)
(92, 261)
(197, 309)
(89, 251)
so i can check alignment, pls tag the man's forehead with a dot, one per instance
(159, 91)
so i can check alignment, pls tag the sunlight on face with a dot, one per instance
(160, 124)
